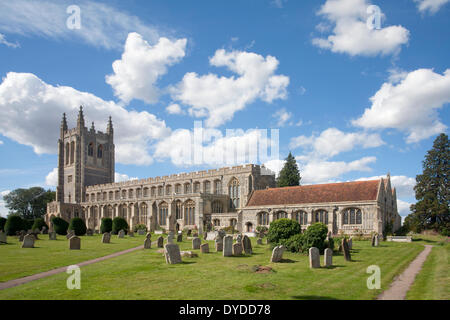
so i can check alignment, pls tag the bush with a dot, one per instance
(315, 236)
(60, 225)
(140, 227)
(106, 225)
(27, 224)
(78, 226)
(294, 243)
(13, 224)
(2, 223)
(262, 230)
(39, 223)
(282, 229)
(229, 230)
(118, 224)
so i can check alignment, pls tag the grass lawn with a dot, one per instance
(433, 280)
(145, 275)
(17, 262)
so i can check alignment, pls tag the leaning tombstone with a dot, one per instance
(70, 234)
(237, 249)
(196, 242)
(204, 248)
(148, 235)
(160, 242)
(346, 250)
(28, 241)
(121, 234)
(147, 243)
(247, 245)
(2, 237)
(219, 245)
(328, 257)
(277, 253)
(373, 240)
(377, 241)
(314, 257)
(75, 243)
(172, 253)
(228, 246)
(106, 238)
(52, 235)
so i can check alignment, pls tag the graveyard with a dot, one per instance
(145, 273)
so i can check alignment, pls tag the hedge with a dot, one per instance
(106, 225)
(13, 224)
(39, 223)
(60, 225)
(78, 226)
(118, 224)
(282, 229)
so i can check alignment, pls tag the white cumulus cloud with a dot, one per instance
(51, 179)
(404, 185)
(282, 116)
(174, 108)
(141, 65)
(432, 6)
(411, 104)
(352, 36)
(218, 97)
(119, 177)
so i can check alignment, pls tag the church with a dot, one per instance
(242, 196)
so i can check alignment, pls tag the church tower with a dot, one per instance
(85, 158)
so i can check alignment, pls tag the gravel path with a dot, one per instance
(16, 282)
(400, 286)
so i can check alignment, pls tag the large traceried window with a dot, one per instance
(279, 215)
(217, 207)
(187, 188)
(67, 153)
(301, 217)
(196, 187)
(143, 214)
(263, 218)
(163, 212)
(179, 210)
(160, 190)
(321, 216)
(234, 191)
(178, 188)
(100, 151)
(217, 187)
(207, 186)
(168, 190)
(72, 152)
(189, 212)
(352, 216)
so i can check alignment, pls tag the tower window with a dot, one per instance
(100, 151)
(91, 149)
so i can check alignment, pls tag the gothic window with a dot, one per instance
(196, 187)
(100, 151)
(91, 149)
(217, 207)
(111, 195)
(216, 222)
(124, 194)
(138, 193)
(109, 212)
(144, 213)
(168, 190)
(160, 190)
(124, 211)
(163, 212)
(67, 153)
(233, 222)
(352, 216)
(279, 215)
(178, 188)
(207, 186)
(104, 196)
(179, 210)
(145, 192)
(117, 195)
(189, 212)
(301, 217)
(217, 187)
(130, 193)
(234, 191)
(321, 216)
(263, 218)
(153, 191)
(87, 197)
(187, 188)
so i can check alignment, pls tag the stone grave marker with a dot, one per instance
(160, 242)
(277, 253)
(228, 246)
(204, 248)
(180, 237)
(70, 234)
(350, 243)
(172, 253)
(2, 237)
(237, 249)
(52, 235)
(28, 241)
(106, 238)
(74, 243)
(147, 243)
(219, 245)
(314, 257)
(121, 234)
(196, 242)
(328, 257)
(346, 250)
(247, 245)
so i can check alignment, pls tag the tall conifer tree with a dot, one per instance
(289, 175)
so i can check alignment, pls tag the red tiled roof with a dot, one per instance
(330, 192)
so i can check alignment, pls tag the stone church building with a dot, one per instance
(241, 196)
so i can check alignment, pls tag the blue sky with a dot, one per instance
(350, 102)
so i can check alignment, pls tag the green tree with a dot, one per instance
(289, 175)
(431, 211)
(29, 203)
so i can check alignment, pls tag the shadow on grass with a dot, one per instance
(187, 262)
(425, 240)
(288, 261)
(333, 267)
(313, 298)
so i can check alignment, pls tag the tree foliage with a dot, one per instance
(13, 224)
(282, 229)
(2, 223)
(431, 211)
(29, 203)
(118, 224)
(60, 225)
(106, 225)
(78, 226)
(39, 223)
(289, 175)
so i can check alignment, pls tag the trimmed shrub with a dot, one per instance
(2, 223)
(27, 224)
(140, 227)
(78, 226)
(39, 223)
(60, 225)
(106, 225)
(282, 229)
(118, 224)
(315, 236)
(13, 224)
(294, 243)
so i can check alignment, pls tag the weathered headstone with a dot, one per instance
(172, 253)
(196, 242)
(350, 243)
(180, 237)
(160, 242)
(52, 235)
(328, 257)
(259, 242)
(28, 241)
(106, 238)
(237, 249)
(314, 257)
(373, 240)
(346, 250)
(204, 248)
(277, 253)
(219, 245)
(228, 246)
(2, 237)
(74, 243)
(377, 240)
(89, 232)
(70, 234)
(147, 243)
(239, 238)
(247, 245)
(121, 234)
(131, 234)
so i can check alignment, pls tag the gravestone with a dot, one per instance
(277, 254)
(70, 234)
(228, 246)
(204, 248)
(237, 249)
(106, 238)
(328, 257)
(259, 241)
(350, 243)
(180, 237)
(89, 232)
(346, 250)
(314, 257)
(247, 245)
(172, 253)
(121, 234)
(74, 243)
(219, 246)
(239, 238)
(148, 235)
(2, 237)
(221, 234)
(44, 230)
(141, 232)
(28, 241)
(377, 241)
(147, 243)
(196, 242)
(131, 234)
(52, 235)
(160, 242)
